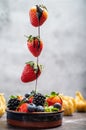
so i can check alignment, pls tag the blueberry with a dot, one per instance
(31, 107)
(27, 95)
(58, 105)
(40, 108)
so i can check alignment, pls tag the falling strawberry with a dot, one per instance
(31, 72)
(35, 45)
(38, 15)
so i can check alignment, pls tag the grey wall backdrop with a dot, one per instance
(64, 53)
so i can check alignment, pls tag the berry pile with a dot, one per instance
(35, 102)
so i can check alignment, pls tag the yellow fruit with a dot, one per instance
(74, 103)
(80, 102)
(67, 109)
(69, 105)
(2, 104)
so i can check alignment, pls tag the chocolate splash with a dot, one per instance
(39, 12)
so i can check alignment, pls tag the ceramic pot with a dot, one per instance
(34, 119)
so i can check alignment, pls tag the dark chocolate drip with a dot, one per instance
(39, 37)
(38, 44)
(34, 42)
(39, 12)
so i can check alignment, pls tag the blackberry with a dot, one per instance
(13, 103)
(39, 99)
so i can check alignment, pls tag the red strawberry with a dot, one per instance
(35, 45)
(23, 107)
(31, 72)
(53, 100)
(38, 15)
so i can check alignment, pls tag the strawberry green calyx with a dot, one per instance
(31, 63)
(31, 38)
(52, 94)
(36, 67)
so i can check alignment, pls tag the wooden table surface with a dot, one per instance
(75, 122)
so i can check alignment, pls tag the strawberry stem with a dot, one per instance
(39, 14)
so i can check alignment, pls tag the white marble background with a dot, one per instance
(64, 53)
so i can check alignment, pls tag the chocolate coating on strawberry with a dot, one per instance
(39, 12)
(38, 15)
(35, 45)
